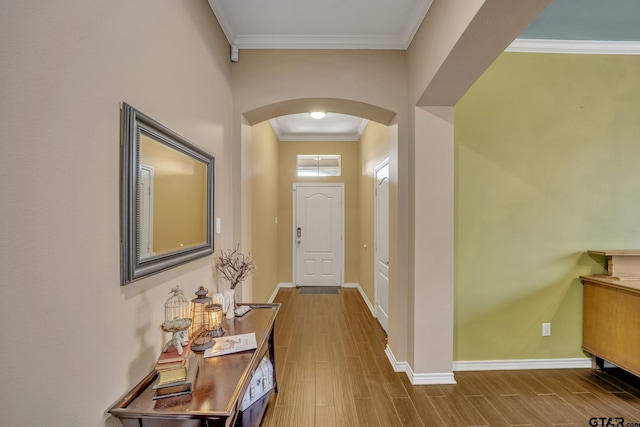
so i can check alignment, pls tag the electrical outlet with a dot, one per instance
(546, 329)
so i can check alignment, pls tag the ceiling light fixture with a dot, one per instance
(317, 114)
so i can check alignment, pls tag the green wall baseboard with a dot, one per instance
(521, 364)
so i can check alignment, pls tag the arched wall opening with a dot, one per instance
(268, 172)
(365, 83)
(334, 105)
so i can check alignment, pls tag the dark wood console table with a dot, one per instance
(611, 315)
(219, 387)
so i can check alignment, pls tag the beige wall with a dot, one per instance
(264, 210)
(74, 339)
(349, 152)
(354, 81)
(374, 148)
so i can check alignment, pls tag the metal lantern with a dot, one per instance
(176, 320)
(200, 321)
(215, 312)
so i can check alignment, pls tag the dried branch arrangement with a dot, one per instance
(234, 266)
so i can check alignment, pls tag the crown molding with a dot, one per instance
(329, 136)
(319, 42)
(590, 47)
(395, 42)
(322, 137)
(276, 129)
(415, 21)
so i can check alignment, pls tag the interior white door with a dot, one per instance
(146, 211)
(317, 234)
(382, 245)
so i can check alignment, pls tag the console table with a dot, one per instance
(219, 387)
(611, 311)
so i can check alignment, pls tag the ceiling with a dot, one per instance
(333, 127)
(329, 24)
(390, 24)
(610, 20)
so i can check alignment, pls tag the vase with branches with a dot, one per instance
(234, 266)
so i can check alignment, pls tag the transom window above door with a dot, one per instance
(319, 165)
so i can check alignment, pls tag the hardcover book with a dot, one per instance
(172, 365)
(170, 376)
(179, 387)
(172, 356)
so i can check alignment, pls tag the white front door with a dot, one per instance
(382, 245)
(317, 234)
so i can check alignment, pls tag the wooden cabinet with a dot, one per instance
(611, 315)
(219, 387)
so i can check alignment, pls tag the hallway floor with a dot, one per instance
(332, 371)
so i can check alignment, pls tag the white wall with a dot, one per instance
(73, 340)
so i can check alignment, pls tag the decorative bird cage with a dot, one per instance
(200, 321)
(176, 319)
(177, 306)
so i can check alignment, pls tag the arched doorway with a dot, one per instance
(270, 216)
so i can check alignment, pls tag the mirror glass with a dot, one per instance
(167, 216)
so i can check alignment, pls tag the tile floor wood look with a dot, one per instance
(332, 371)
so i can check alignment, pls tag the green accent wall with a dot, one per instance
(546, 168)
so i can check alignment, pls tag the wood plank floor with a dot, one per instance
(332, 371)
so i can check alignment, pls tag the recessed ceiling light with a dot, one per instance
(317, 114)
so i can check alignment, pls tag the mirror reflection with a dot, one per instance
(173, 199)
(167, 198)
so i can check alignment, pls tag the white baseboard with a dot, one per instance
(275, 292)
(521, 364)
(362, 294)
(484, 365)
(419, 379)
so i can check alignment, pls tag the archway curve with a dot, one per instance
(334, 105)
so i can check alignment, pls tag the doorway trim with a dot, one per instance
(147, 176)
(376, 284)
(297, 185)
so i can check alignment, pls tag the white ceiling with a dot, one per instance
(389, 24)
(327, 24)
(333, 127)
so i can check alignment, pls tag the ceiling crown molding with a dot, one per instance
(319, 42)
(592, 47)
(399, 41)
(325, 134)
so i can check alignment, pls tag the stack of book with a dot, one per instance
(176, 381)
(170, 359)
